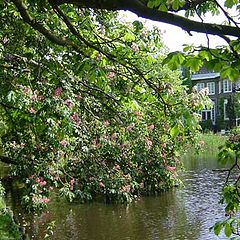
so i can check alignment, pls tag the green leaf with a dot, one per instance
(228, 230)
(163, 8)
(151, 4)
(217, 228)
(174, 131)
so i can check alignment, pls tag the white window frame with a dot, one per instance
(200, 86)
(227, 86)
(211, 88)
(209, 112)
(219, 87)
(213, 116)
(225, 109)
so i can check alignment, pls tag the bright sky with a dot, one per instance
(175, 37)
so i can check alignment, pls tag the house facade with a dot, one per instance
(220, 91)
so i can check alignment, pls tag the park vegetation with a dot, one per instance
(94, 107)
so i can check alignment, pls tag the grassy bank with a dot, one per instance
(211, 143)
(8, 229)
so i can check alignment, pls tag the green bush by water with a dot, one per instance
(8, 228)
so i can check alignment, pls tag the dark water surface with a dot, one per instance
(183, 213)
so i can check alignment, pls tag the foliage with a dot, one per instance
(229, 156)
(94, 115)
(8, 228)
(233, 108)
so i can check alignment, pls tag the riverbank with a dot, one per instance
(9, 230)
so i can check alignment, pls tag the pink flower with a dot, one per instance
(26, 90)
(75, 118)
(201, 142)
(58, 91)
(135, 47)
(78, 97)
(32, 110)
(69, 103)
(64, 143)
(130, 127)
(42, 183)
(50, 188)
(101, 184)
(110, 75)
(72, 181)
(106, 123)
(170, 168)
(117, 167)
(114, 137)
(126, 188)
(138, 114)
(149, 143)
(45, 200)
(151, 127)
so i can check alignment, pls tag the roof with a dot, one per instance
(203, 76)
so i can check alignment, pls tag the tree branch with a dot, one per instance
(139, 7)
(7, 160)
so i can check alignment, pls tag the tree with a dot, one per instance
(87, 107)
(223, 59)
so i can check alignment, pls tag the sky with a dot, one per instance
(174, 37)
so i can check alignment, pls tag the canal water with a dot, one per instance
(182, 213)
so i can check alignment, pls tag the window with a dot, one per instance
(227, 86)
(199, 86)
(208, 114)
(211, 88)
(225, 110)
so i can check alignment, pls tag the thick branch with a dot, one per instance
(7, 160)
(139, 7)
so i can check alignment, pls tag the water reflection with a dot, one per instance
(183, 213)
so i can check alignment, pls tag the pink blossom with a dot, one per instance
(111, 75)
(95, 143)
(138, 114)
(58, 91)
(35, 199)
(32, 110)
(106, 123)
(64, 143)
(141, 185)
(101, 184)
(75, 118)
(151, 127)
(170, 168)
(45, 200)
(69, 103)
(126, 188)
(26, 90)
(164, 145)
(50, 188)
(72, 181)
(117, 167)
(130, 127)
(42, 183)
(149, 143)
(78, 97)
(135, 47)
(201, 142)
(114, 136)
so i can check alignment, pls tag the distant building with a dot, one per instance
(220, 92)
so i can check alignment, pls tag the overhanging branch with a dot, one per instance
(139, 7)
(7, 160)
